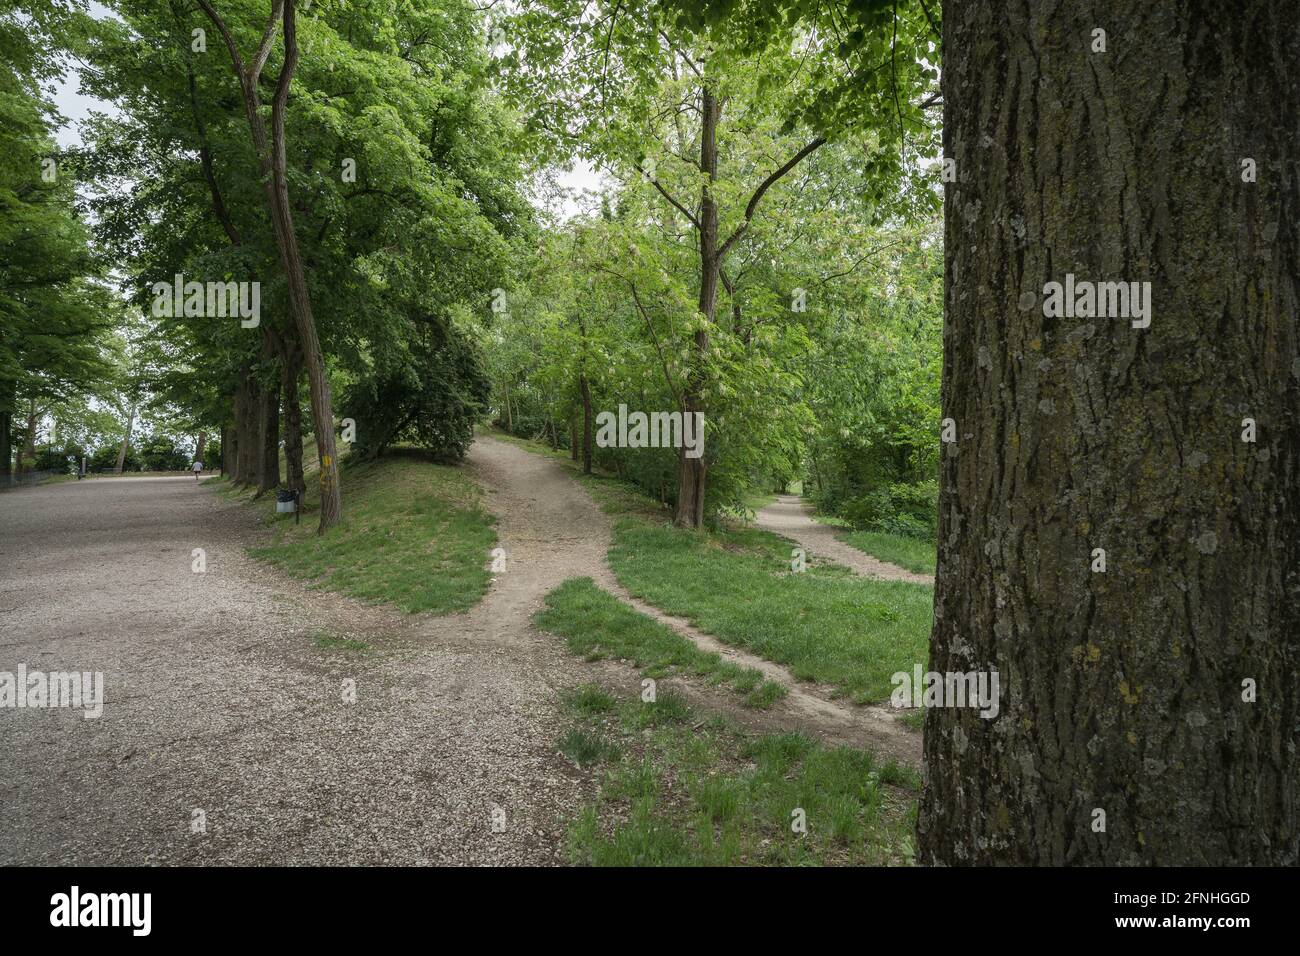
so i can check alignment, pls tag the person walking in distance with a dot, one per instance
(198, 467)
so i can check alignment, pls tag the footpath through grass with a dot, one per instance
(914, 554)
(413, 535)
(681, 790)
(918, 555)
(598, 625)
(825, 623)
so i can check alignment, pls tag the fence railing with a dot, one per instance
(26, 478)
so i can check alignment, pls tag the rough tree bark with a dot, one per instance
(271, 156)
(230, 452)
(291, 374)
(691, 471)
(1122, 690)
(268, 411)
(268, 455)
(247, 441)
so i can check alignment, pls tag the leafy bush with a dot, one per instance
(160, 453)
(105, 459)
(898, 508)
(431, 395)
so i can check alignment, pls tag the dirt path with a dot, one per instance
(534, 496)
(790, 517)
(218, 699)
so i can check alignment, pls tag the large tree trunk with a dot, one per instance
(27, 451)
(8, 396)
(247, 432)
(268, 424)
(588, 422)
(322, 402)
(291, 374)
(126, 440)
(199, 444)
(1122, 690)
(691, 471)
(268, 457)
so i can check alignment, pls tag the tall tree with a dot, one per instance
(714, 116)
(1149, 710)
(271, 157)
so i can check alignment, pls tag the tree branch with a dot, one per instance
(763, 187)
(654, 182)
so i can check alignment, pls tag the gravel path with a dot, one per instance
(790, 517)
(218, 699)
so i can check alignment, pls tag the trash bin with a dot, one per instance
(284, 501)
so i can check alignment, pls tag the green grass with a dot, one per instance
(333, 642)
(915, 554)
(825, 624)
(597, 625)
(680, 790)
(585, 748)
(413, 535)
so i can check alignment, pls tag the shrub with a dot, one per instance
(431, 395)
(905, 509)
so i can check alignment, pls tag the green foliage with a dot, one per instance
(897, 508)
(159, 453)
(431, 397)
(105, 459)
(56, 315)
(873, 456)
(625, 88)
(396, 255)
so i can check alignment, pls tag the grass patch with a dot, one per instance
(825, 624)
(413, 535)
(690, 792)
(597, 625)
(333, 642)
(915, 554)
(585, 748)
